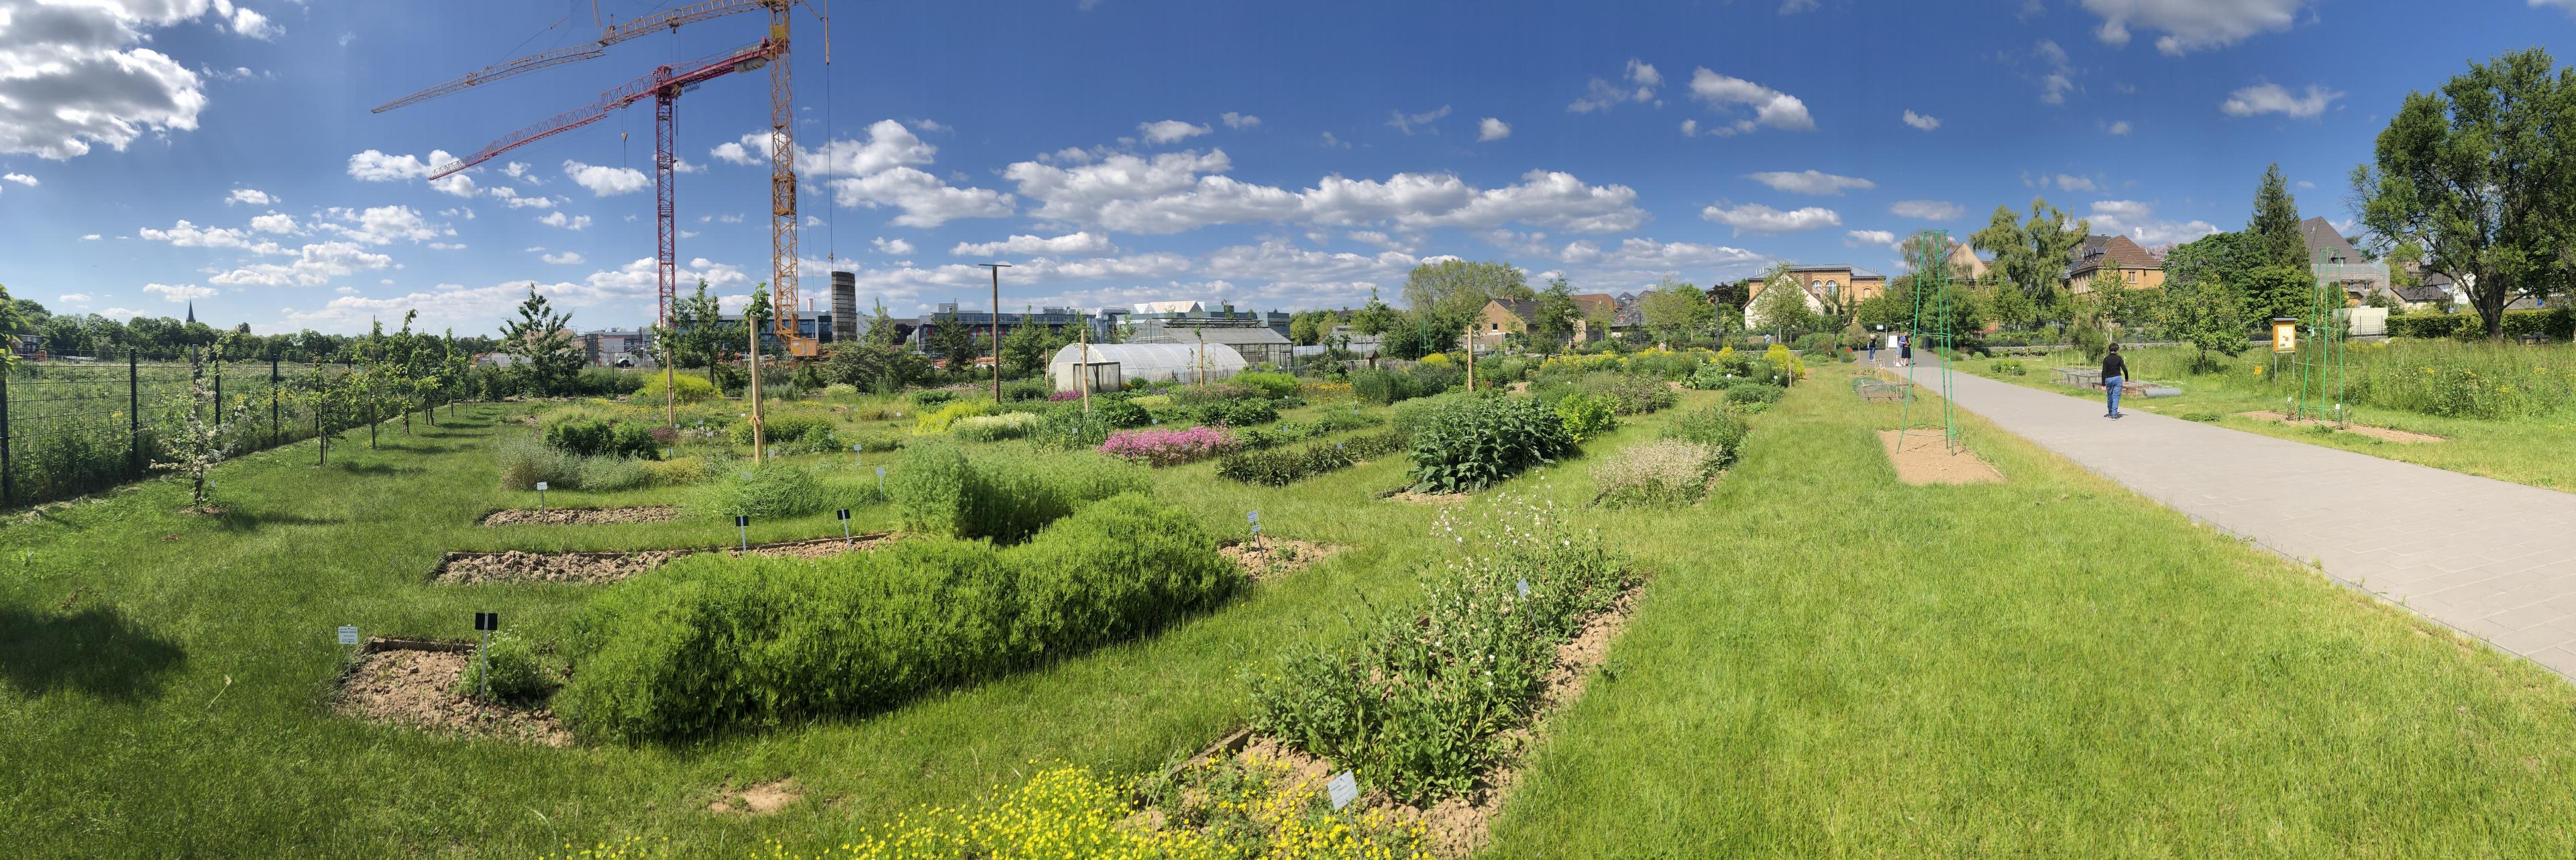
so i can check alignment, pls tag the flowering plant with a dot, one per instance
(1168, 447)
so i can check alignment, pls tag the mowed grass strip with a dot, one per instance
(1837, 665)
(181, 707)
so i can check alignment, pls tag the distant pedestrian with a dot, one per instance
(1905, 349)
(1873, 350)
(2114, 372)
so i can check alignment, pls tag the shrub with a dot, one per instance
(1267, 384)
(781, 428)
(994, 428)
(1068, 429)
(1382, 387)
(1628, 393)
(840, 389)
(1119, 412)
(1712, 427)
(931, 398)
(1411, 416)
(1204, 393)
(1709, 377)
(1279, 467)
(1784, 365)
(774, 489)
(1586, 416)
(1424, 698)
(1474, 443)
(685, 389)
(1236, 413)
(715, 640)
(526, 461)
(2008, 367)
(935, 423)
(609, 474)
(1753, 391)
(938, 490)
(516, 674)
(677, 471)
(2559, 323)
(593, 437)
(1019, 390)
(1168, 447)
(1662, 472)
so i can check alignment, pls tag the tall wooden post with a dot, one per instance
(759, 437)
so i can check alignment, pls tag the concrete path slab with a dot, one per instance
(2493, 558)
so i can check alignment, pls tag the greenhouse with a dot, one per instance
(1111, 365)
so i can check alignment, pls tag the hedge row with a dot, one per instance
(1279, 467)
(938, 490)
(2556, 323)
(714, 641)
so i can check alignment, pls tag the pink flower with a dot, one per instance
(1161, 447)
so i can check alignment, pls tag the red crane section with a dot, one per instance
(689, 14)
(674, 76)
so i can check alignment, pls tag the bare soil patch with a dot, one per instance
(2383, 434)
(600, 568)
(413, 683)
(761, 799)
(1459, 826)
(580, 516)
(1921, 457)
(1274, 557)
(1404, 495)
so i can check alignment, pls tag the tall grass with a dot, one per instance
(2449, 378)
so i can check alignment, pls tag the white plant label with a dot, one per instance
(348, 635)
(1524, 589)
(541, 486)
(1344, 789)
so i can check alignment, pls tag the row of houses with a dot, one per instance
(2334, 260)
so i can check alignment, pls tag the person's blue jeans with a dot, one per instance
(1873, 353)
(2111, 389)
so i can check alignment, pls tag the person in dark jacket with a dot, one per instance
(2114, 372)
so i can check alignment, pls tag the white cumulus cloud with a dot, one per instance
(1770, 107)
(1170, 131)
(74, 75)
(1637, 84)
(2137, 221)
(1240, 121)
(252, 196)
(1081, 244)
(564, 259)
(179, 292)
(605, 181)
(20, 178)
(571, 222)
(1757, 218)
(2269, 97)
(2192, 25)
(1492, 129)
(1811, 182)
(1922, 122)
(374, 166)
(1928, 210)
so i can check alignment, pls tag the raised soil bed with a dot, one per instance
(1922, 457)
(412, 683)
(1273, 557)
(2383, 434)
(600, 568)
(580, 516)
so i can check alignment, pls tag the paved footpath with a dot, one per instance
(2495, 559)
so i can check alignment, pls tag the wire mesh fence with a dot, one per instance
(71, 426)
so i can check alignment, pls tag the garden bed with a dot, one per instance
(1921, 457)
(1459, 826)
(412, 683)
(600, 568)
(2383, 434)
(761, 799)
(580, 516)
(1403, 494)
(1275, 557)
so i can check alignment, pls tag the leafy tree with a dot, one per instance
(2398, 258)
(1556, 315)
(2278, 291)
(2276, 221)
(1301, 329)
(951, 340)
(1026, 349)
(544, 338)
(189, 444)
(1376, 317)
(881, 329)
(2030, 255)
(1781, 307)
(2206, 314)
(1460, 288)
(2226, 258)
(2479, 174)
(1676, 311)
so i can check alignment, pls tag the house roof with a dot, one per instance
(2424, 292)
(2323, 238)
(2118, 252)
(1597, 303)
(1525, 309)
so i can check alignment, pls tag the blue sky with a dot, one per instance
(1284, 155)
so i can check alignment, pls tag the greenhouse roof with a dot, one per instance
(1157, 360)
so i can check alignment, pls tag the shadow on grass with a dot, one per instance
(96, 651)
(379, 469)
(238, 520)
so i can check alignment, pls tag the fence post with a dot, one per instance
(134, 404)
(8, 478)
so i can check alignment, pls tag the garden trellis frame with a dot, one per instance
(1927, 253)
(2317, 366)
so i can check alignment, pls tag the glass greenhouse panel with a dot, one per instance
(1150, 362)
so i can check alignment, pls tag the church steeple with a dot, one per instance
(192, 310)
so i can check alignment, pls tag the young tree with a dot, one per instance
(1377, 317)
(192, 446)
(1025, 350)
(1781, 307)
(1676, 311)
(2276, 221)
(1460, 289)
(2030, 255)
(544, 339)
(1556, 315)
(2479, 173)
(699, 336)
(2206, 314)
(953, 341)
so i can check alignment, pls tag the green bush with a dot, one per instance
(1659, 473)
(1268, 384)
(713, 640)
(1235, 413)
(1754, 391)
(1628, 393)
(772, 490)
(592, 437)
(1279, 467)
(1117, 412)
(1411, 416)
(1425, 698)
(517, 676)
(938, 490)
(932, 398)
(525, 462)
(2559, 323)
(1473, 443)
(1069, 429)
(1710, 426)
(1709, 377)
(995, 428)
(686, 389)
(1201, 394)
(779, 428)
(2008, 367)
(935, 423)
(1586, 415)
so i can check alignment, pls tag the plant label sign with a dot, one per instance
(541, 486)
(1524, 589)
(1253, 517)
(348, 634)
(1344, 789)
(485, 621)
(845, 514)
(741, 522)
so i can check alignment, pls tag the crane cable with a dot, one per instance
(831, 226)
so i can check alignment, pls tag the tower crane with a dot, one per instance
(665, 85)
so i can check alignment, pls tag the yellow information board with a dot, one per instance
(2285, 335)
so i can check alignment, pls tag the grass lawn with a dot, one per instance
(2528, 450)
(1827, 664)
(1838, 665)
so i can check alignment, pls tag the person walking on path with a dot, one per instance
(1905, 349)
(2114, 372)
(1873, 350)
